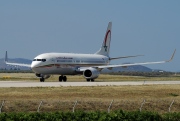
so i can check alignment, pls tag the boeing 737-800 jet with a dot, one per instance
(90, 65)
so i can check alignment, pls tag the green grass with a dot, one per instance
(91, 116)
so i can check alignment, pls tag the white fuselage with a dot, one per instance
(66, 63)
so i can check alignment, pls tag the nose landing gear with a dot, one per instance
(42, 79)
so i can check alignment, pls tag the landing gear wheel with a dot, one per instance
(88, 80)
(64, 78)
(60, 78)
(41, 79)
(92, 80)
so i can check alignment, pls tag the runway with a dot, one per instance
(76, 84)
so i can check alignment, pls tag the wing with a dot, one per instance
(124, 57)
(18, 64)
(15, 64)
(126, 65)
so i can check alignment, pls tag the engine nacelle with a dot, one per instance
(43, 76)
(91, 73)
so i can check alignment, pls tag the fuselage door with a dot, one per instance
(53, 61)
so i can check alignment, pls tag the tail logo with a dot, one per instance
(105, 39)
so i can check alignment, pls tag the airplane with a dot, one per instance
(89, 65)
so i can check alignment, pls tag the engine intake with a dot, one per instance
(91, 73)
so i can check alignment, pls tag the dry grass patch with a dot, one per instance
(158, 98)
(100, 92)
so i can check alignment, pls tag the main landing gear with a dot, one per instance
(88, 80)
(62, 78)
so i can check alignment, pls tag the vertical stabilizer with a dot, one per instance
(104, 50)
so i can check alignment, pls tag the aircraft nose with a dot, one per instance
(33, 66)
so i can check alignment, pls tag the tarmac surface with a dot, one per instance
(73, 84)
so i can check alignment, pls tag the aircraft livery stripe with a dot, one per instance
(105, 39)
(72, 65)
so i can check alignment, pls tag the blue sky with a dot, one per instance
(151, 28)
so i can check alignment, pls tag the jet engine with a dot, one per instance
(91, 73)
(43, 76)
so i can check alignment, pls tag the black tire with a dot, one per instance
(88, 80)
(92, 80)
(41, 79)
(60, 78)
(64, 78)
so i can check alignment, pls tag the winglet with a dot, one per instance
(6, 57)
(172, 56)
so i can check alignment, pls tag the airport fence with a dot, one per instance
(161, 106)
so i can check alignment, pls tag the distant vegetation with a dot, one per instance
(147, 74)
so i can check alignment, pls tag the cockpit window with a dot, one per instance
(43, 60)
